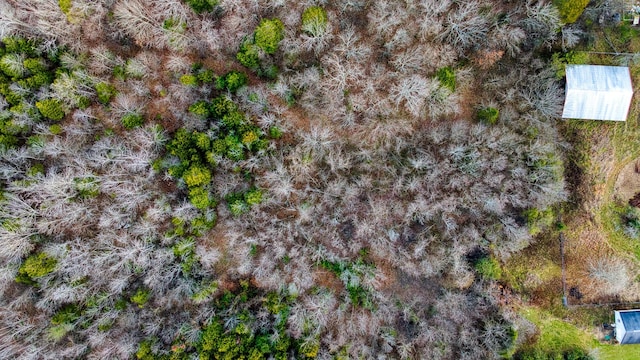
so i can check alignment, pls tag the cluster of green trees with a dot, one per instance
(240, 202)
(231, 135)
(236, 333)
(231, 81)
(263, 42)
(26, 72)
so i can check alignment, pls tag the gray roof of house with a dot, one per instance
(631, 321)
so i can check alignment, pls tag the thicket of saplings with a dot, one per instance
(248, 179)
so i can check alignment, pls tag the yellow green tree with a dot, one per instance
(570, 10)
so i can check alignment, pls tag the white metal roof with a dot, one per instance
(627, 326)
(596, 92)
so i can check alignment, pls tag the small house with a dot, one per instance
(627, 326)
(596, 92)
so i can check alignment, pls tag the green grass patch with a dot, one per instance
(619, 352)
(556, 336)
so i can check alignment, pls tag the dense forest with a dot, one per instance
(249, 179)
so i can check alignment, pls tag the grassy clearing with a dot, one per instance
(619, 352)
(556, 335)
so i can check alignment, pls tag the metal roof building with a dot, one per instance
(596, 92)
(627, 326)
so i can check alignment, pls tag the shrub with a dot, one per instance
(570, 10)
(238, 207)
(351, 275)
(35, 65)
(314, 21)
(200, 198)
(86, 187)
(538, 220)
(270, 72)
(237, 204)
(200, 108)
(249, 55)
(36, 81)
(119, 72)
(105, 92)
(269, 34)
(36, 169)
(189, 80)
(233, 119)
(132, 120)
(175, 25)
(55, 129)
(65, 6)
(253, 197)
(221, 106)
(631, 221)
(545, 166)
(202, 141)
(51, 109)
(488, 115)
(275, 132)
(35, 266)
(13, 65)
(20, 45)
(135, 68)
(447, 78)
(67, 315)
(145, 352)
(206, 76)
(310, 349)
(197, 176)
(57, 332)
(200, 6)
(231, 81)
(141, 297)
(489, 268)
